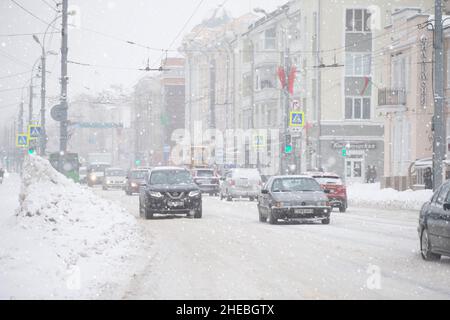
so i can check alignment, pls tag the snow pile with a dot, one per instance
(65, 242)
(370, 195)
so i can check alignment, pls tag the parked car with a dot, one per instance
(114, 178)
(83, 175)
(434, 225)
(293, 198)
(241, 183)
(170, 190)
(134, 180)
(335, 187)
(96, 173)
(207, 180)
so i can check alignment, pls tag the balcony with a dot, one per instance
(391, 100)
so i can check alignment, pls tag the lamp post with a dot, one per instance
(43, 137)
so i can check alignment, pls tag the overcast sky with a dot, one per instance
(149, 22)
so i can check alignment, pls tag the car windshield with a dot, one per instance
(171, 177)
(115, 173)
(247, 173)
(329, 180)
(205, 173)
(295, 185)
(138, 174)
(98, 168)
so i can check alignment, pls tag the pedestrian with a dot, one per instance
(368, 172)
(428, 178)
(2, 173)
(373, 174)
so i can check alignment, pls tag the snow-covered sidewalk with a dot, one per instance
(59, 240)
(370, 195)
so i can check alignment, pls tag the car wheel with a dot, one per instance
(198, 213)
(425, 248)
(141, 210)
(262, 218)
(148, 214)
(104, 188)
(342, 208)
(252, 199)
(271, 218)
(326, 221)
(229, 197)
(221, 196)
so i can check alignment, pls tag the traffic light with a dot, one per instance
(344, 152)
(137, 162)
(31, 151)
(288, 144)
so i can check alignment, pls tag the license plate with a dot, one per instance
(175, 204)
(304, 211)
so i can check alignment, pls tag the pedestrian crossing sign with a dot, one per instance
(22, 140)
(259, 141)
(296, 119)
(34, 131)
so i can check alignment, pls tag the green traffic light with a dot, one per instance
(138, 162)
(288, 149)
(344, 152)
(30, 151)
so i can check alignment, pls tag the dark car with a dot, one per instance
(169, 191)
(335, 188)
(293, 198)
(434, 225)
(207, 180)
(135, 178)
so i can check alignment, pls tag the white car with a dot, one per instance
(114, 178)
(241, 183)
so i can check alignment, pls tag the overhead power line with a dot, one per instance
(32, 14)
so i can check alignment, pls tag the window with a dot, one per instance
(357, 108)
(357, 20)
(265, 78)
(400, 72)
(358, 64)
(270, 39)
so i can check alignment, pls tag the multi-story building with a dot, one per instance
(405, 98)
(173, 102)
(101, 124)
(147, 122)
(341, 67)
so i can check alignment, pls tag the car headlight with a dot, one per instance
(155, 194)
(195, 193)
(134, 185)
(93, 177)
(278, 204)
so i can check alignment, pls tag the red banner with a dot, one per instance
(292, 75)
(282, 77)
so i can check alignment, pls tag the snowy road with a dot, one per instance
(230, 255)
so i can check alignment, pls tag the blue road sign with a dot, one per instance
(34, 131)
(296, 119)
(22, 140)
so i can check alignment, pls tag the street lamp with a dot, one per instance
(260, 10)
(43, 137)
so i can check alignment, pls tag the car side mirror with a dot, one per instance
(143, 184)
(447, 206)
(265, 191)
(327, 191)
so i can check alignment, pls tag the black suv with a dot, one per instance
(434, 225)
(170, 190)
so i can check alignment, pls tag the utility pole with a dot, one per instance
(63, 99)
(319, 92)
(43, 137)
(30, 102)
(20, 120)
(284, 163)
(439, 144)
